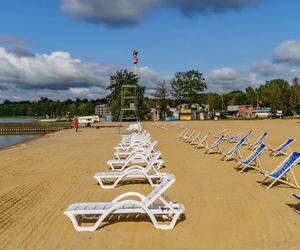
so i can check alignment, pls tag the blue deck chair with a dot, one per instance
(281, 171)
(233, 138)
(215, 147)
(297, 196)
(258, 141)
(252, 160)
(296, 207)
(236, 149)
(283, 149)
(220, 133)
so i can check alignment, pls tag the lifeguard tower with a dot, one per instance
(129, 104)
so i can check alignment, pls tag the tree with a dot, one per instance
(275, 94)
(295, 96)
(161, 94)
(251, 96)
(236, 97)
(295, 81)
(214, 101)
(120, 78)
(188, 86)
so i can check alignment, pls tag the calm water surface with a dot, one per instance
(8, 140)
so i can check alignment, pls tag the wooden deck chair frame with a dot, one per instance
(283, 178)
(187, 135)
(297, 196)
(235, 150)
(285, 151)
(202, 142)
(220, 133)
(215, 147)
(254, 164)
(234, 138)
(259, 141)
(186, 131)
(190, 137)
(196, 139)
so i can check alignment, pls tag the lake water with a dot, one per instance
(8, 140)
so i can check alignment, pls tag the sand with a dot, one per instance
(224, 209)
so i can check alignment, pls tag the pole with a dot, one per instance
(222, 102)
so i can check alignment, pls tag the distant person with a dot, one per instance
(75, 124)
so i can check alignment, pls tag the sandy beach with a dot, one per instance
(224, 209)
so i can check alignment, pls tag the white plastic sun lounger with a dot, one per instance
(109, 180)
(139, 160)
(283, 149)
(133, 133)
(252, 161)
(279, 174)
(138, 150)
(132, 146)
(135, 138)
(123, 205)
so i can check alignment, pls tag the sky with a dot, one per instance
(69, 48)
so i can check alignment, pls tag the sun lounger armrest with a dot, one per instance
(127, 194)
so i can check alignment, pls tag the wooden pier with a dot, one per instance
(32, 128)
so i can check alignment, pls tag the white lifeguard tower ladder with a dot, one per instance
(129, 104)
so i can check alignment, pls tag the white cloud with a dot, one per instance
(131, 12)
(57, 73)
(60, 76)
(228, 79)
(287, 52)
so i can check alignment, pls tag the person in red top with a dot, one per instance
(75, 124)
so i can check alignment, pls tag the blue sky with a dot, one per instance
(238, 44)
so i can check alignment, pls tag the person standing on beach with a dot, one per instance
(75, 124)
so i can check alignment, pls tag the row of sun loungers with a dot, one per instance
(279, 174)
(136, 158)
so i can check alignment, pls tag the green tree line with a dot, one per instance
(186, 87)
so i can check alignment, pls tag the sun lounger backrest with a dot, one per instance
(155, 157)
(160, 189)
(291, 161)
(284, 145)
(254, 155)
